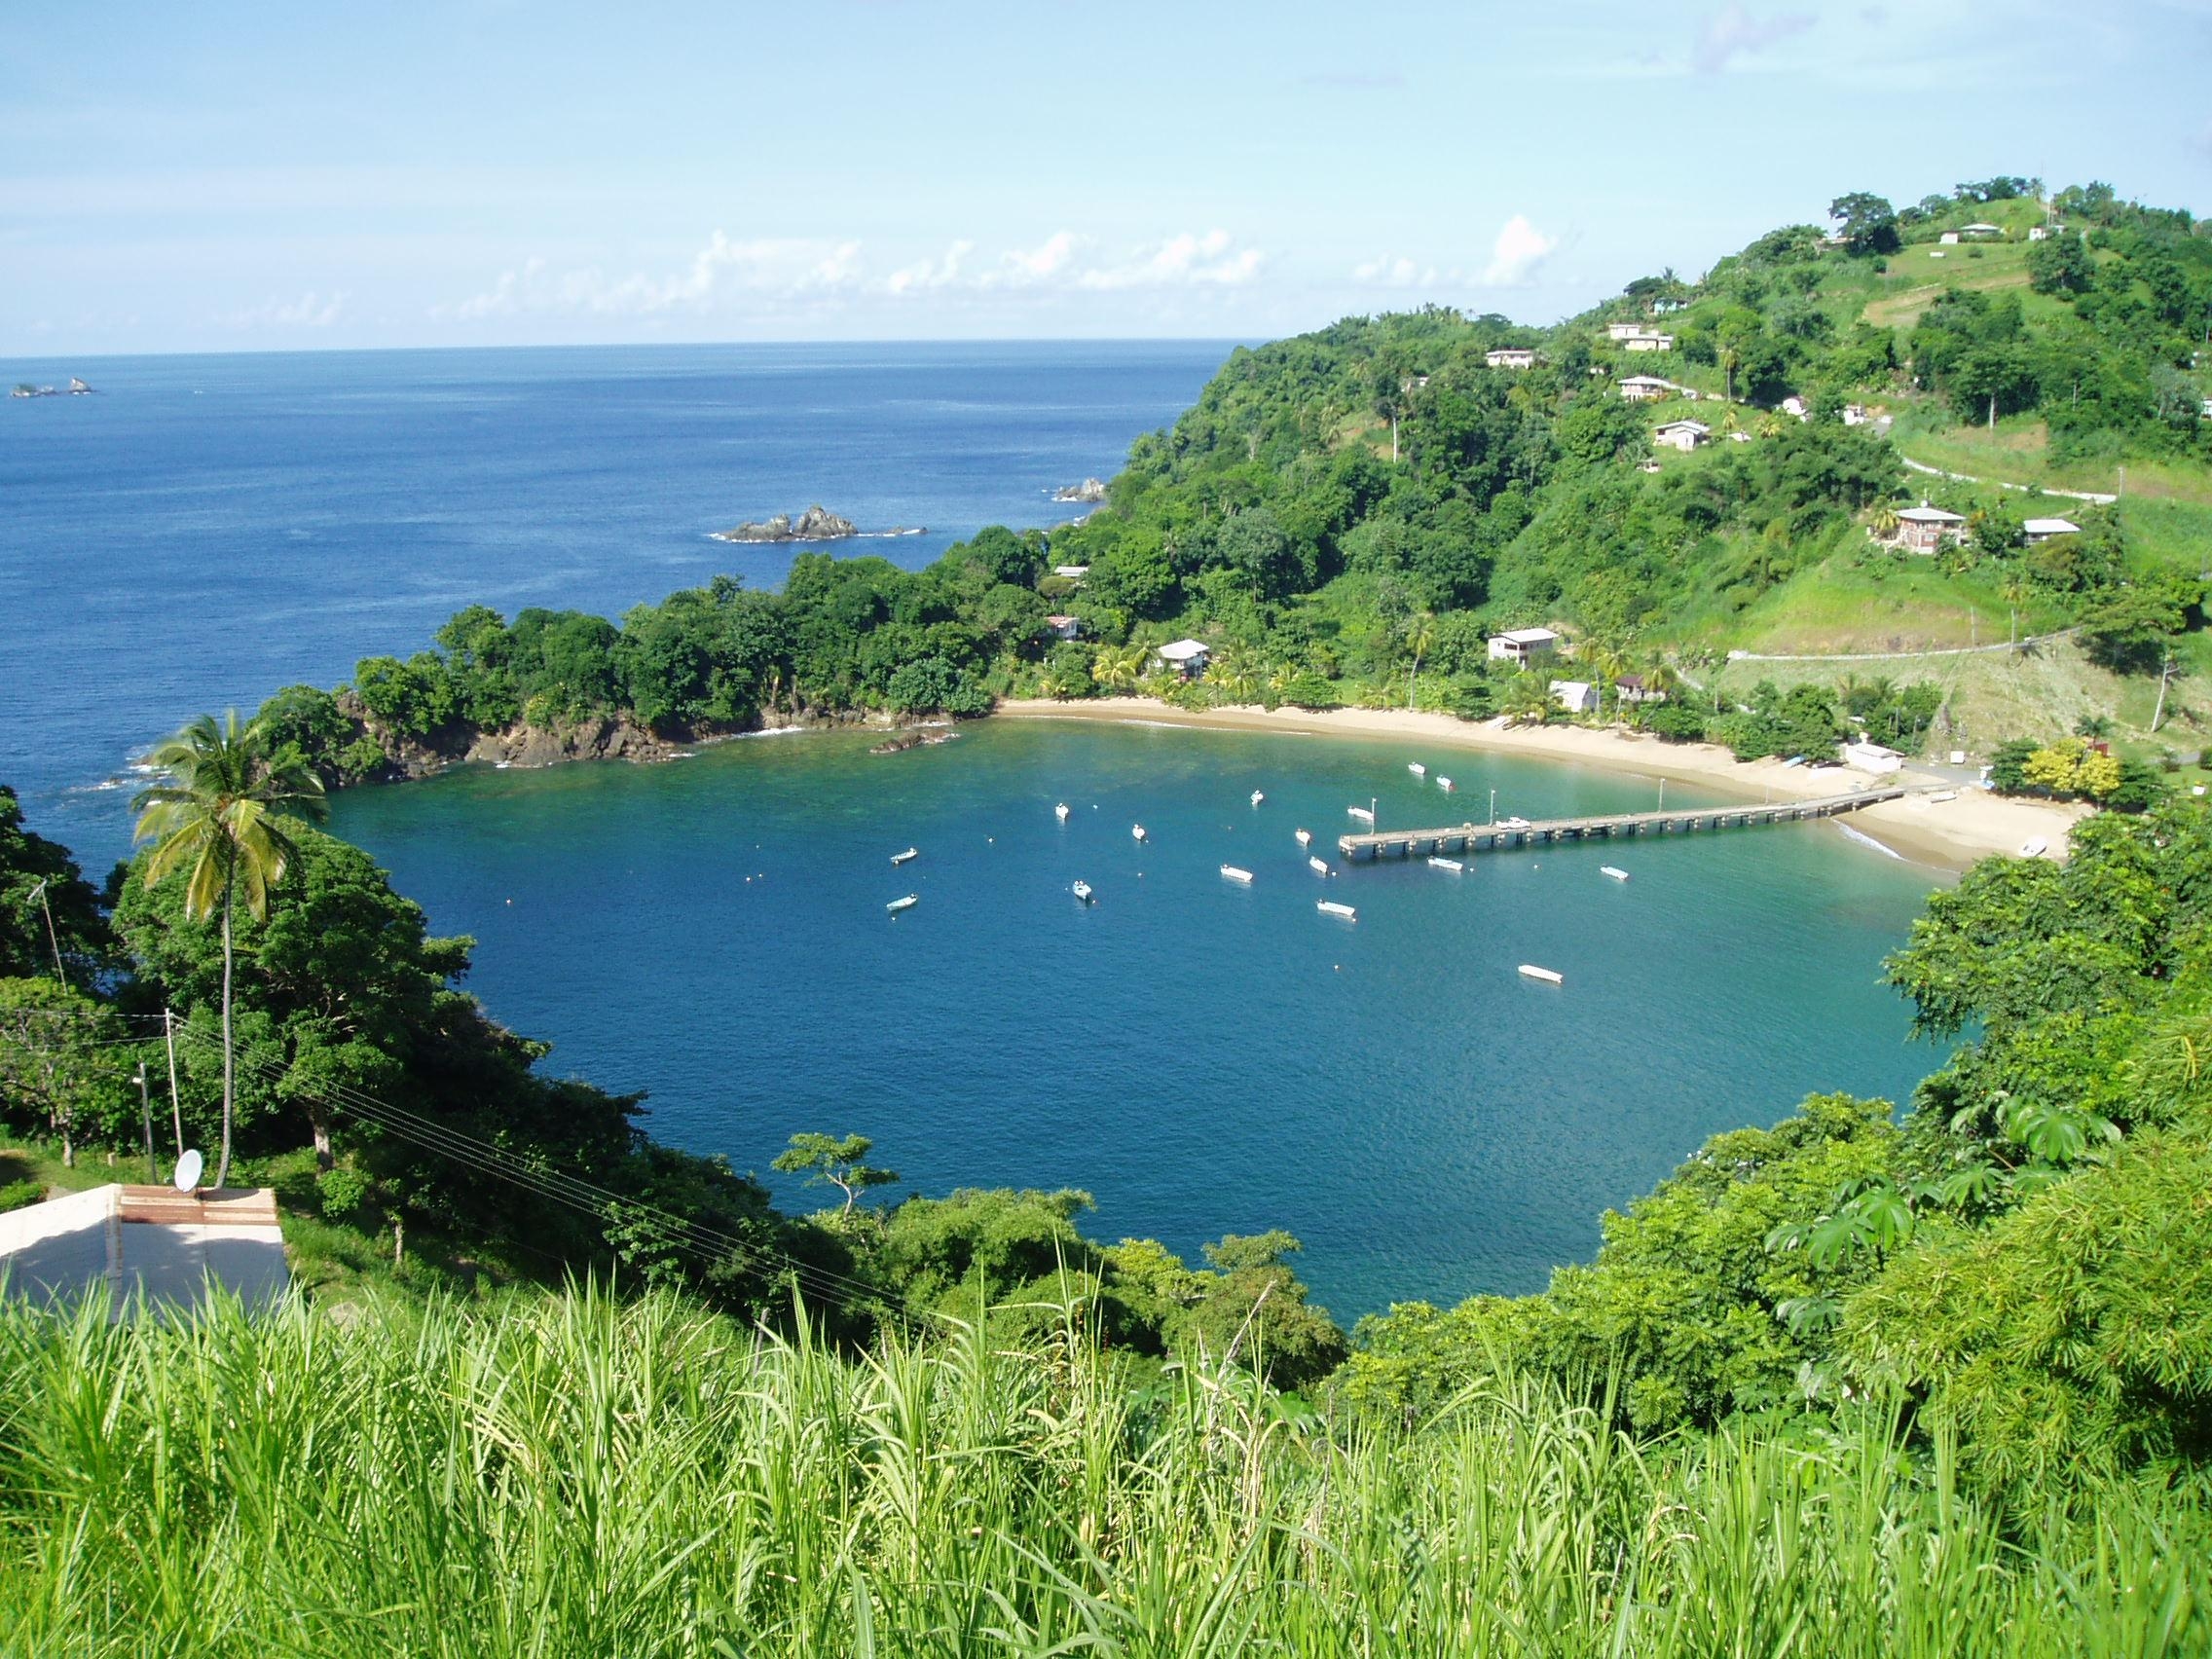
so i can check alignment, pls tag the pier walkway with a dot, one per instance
(1375, 844)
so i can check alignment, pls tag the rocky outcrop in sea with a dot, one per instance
(1089, 489)
(817, 523)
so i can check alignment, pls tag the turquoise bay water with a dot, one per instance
(1202, 1057)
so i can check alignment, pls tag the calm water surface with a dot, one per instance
(1200, 1056)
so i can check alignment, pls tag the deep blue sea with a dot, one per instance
(1203, 1058)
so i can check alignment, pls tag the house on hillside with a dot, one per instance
(1644, 389)
(1649, 343)
(1738, 437)
(1980, 232)
(2042, 233)
(1795, 405)
(1631, 689)
(1072, 573)
(1925, 529)
(1649, 464)
(1625, 330)
(1949, 238)
(122, 1242)
(1682, 434)
(2040, 529)
(1511, 357)
(1065, 627)
(1854, 413)
(1187, 657)
(1523, 645)
(1576, 697)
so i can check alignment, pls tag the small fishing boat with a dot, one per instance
(1061, 812)
(1363, 814)
(1452, 864)
(1306, 837)
(907, 857)
(1417, 768)
(2033, 847)
(1258, 795)
(1513, 824)
(1530, 970)
(1137, 830)
(1231, 873)
(1330, 907)
(1613, 871)
(1081, 892)
(906, 904)
(1445, 785)
(1319, 866)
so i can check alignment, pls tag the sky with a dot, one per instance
(224, 176)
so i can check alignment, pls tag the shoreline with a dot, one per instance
(1948, 835)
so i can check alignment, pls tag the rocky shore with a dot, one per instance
(1089, 489)
(817, 523)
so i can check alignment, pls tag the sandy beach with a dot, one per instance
(1944, 835)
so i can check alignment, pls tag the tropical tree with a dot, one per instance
(1235, 672)
(1420, 640)
(2014, 592)
(1526, 698)
(1118, 668)
(218, 816)
(841, 1163)
(1882, 519)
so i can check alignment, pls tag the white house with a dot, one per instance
(118, 1241)
(1649, 343)
(1576, 697)
(1073, 573)
(1625, 330)
(1065, 627)
(1188, 657)
(1871, 758)
(1631, 689)
(1523, 645)
(2044, 529)
(1511, 357)
(1644, 389)
(2039, 232)
(1682, 434)
(1795, 405)
(1854, 413)
(1982, 232)
(1949, 238)
(1924, 528)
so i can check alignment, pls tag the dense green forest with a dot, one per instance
(1344, 517)
(1933, 1375)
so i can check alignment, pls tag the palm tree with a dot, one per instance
(2014, 593)
(1526, 698)
(1120, 668)
(1420, 640)
(1234, 671)
(1882, 519)
(217, 816)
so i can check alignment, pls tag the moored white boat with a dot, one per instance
(1513, 824)
(1363, 814)
(1613, 871)
(1530, 970)
(1231, 873)
(1137, 832)
(1417, 768)
(1061, 812)
(1330, 907)
(1452, 864)
(1445, 785)
(1081, 891)
(1258, 795)
(906, 904)
(1306, 837)
(907, 857)
(1319, 866)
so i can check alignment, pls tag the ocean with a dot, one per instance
(1202, 1057)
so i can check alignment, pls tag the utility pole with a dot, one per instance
(176, 1112)
(53, 942)
(146, 1123)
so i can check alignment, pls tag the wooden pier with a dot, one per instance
(1605, 826)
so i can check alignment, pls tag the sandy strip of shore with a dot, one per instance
(1948, 834)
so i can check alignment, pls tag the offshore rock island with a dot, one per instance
(817, 523)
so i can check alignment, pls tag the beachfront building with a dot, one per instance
(1682, 434)
(1523, 645)
(1065, 627)
(1865, 757)
(1644, 389)
(1187, 657)
(1576, 697)
(1925, 529)
(122, 1242)
(2040, 529)
(1511, 357)
(1631, 689)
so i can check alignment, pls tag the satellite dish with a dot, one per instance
(187, 1174)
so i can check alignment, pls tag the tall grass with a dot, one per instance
(581, 1476)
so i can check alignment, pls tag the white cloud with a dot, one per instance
(774, 268)
(1181, 261)
(1733, 32)
(1519, 249)
(311, 309)
(1396, 273)
(926, 274)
